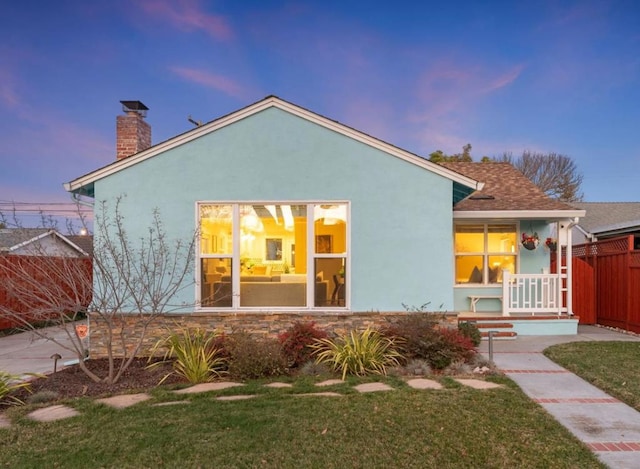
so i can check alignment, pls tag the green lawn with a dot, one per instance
(451, 428)
(613, 367)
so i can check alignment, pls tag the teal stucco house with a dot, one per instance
(300, 216)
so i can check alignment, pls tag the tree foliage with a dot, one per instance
(439, 156)
(557, 175)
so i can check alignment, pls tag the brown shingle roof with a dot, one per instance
(505, 188)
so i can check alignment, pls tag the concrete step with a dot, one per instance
(494, 325)
(499, 335)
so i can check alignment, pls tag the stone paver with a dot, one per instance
(170, 403)
(239, 397)
(478, 383)
(123, 401)
(421, 383)
(373, 387)
(330, 382)
(4, 422)
(206, 387)
(279, 385)
(52, 413)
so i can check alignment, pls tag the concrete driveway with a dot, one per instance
(28, 353)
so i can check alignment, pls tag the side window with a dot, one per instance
(483, 251)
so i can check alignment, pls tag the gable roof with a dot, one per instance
(506, 193)
(12, 239)
(84, 185)
(609, 217)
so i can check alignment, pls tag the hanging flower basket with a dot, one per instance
(530, 242)
(552, 244)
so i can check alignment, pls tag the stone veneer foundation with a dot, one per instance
(257, 324)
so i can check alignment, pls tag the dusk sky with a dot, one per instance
(545, 76)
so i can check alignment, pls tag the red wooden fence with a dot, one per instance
(41, 288)
(582, 286)
(616, 269)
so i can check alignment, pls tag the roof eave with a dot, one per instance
(518, 214)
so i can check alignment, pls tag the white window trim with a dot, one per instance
(235, 257)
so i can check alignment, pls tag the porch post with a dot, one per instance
(569, 271)
(506, 300)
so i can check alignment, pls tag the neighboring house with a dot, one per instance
(31, 270)
(41, 242)
(300, 216)
(605, 220)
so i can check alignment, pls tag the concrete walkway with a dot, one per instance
(607, 426)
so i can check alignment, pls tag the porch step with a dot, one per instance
(501, 330)
(499, 335)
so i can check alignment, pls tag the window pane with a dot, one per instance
(502, 238)
(215, 290)
(273, 255)
(499, 263)
(469, 269)
(469, 238)
(216, 225)
(330, 285)
(330, 224)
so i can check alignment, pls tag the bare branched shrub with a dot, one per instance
(137, 278)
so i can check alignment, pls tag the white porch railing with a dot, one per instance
(533, 293)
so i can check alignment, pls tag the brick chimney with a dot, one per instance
(133, 134)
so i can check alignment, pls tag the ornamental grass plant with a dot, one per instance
(358, 353)
(193, 355)
(9, 384)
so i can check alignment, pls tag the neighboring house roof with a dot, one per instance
(12, 239)
(609, 217)
(84, 242)
(84, 185)
(507, 193)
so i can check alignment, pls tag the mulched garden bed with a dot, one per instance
(71, 381)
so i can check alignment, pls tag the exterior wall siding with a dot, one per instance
(401, 248)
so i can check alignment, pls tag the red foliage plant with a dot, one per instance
(296, 340)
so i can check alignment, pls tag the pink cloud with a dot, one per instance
(210, 80)
(189, 15)
(505, 79)
(8, 88)
(447, 93)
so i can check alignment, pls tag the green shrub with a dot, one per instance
(251, 358)
(296, 342)
(9, 384)
(192, 354)
(417, 331)
(358, 353)
(423, 336)
(470, 330)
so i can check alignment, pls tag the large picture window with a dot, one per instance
(483, 251)
(286, 255)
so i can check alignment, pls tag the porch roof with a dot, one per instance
(507, 193)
